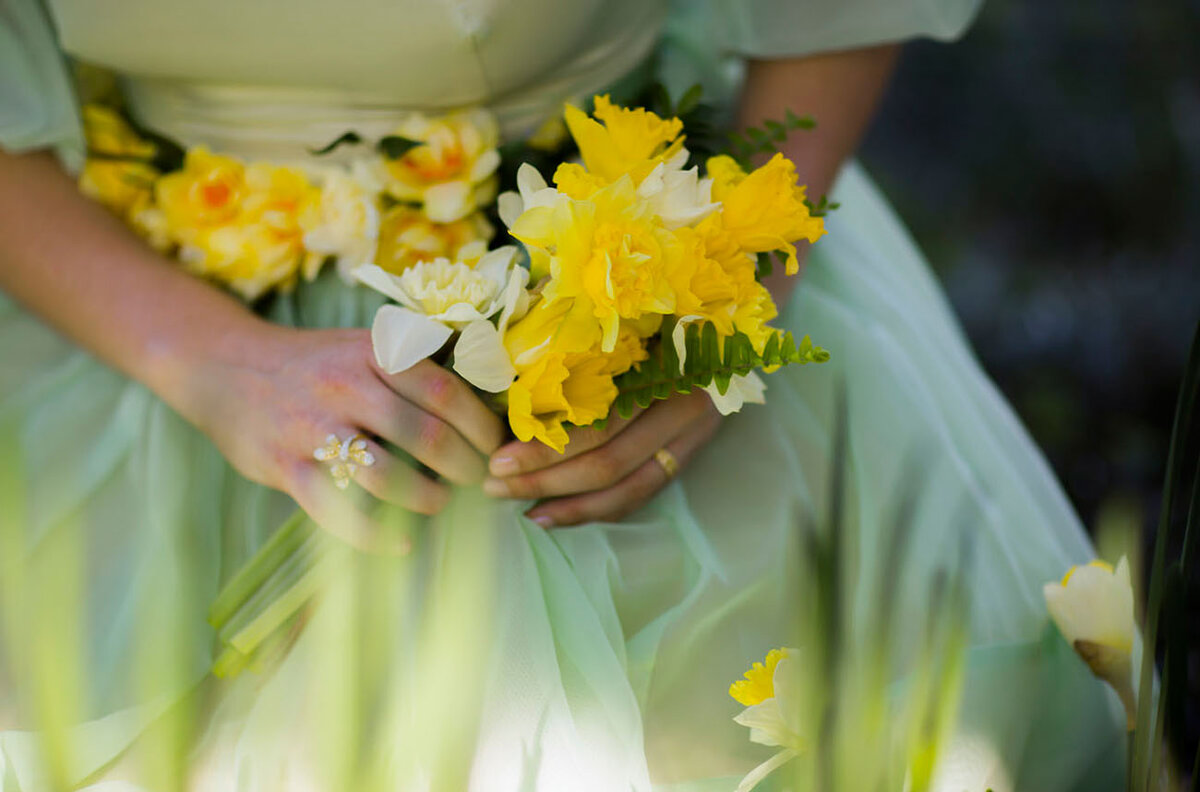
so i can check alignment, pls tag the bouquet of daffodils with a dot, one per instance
(632, 274)
(636, 278)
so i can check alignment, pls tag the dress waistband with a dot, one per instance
(287, 124)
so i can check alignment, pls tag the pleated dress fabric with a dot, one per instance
(614, 644)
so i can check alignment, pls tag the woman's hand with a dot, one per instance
(269, 405)
(604, 474)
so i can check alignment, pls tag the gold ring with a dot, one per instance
(667, 462)
(344, 457)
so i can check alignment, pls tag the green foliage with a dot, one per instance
(346, 138)
(394, 146)
(708, 361)
(1173, 581)
(766, 139)
(821, 208)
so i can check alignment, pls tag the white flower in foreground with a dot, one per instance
(1093, 609)
(532, 192)
(771, 695)
(344, 222)
(437, 298)
(743, 389)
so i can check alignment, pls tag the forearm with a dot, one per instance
(75, 265)
(840, 91)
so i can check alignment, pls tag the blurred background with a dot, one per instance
(1049, 165)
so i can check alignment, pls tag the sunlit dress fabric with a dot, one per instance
(614, 644)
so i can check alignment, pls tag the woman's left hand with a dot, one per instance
(604, 474)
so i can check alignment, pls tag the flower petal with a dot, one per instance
(481, 359)
(403, 338)
(741, 390)
(381, 281)
(449, 201)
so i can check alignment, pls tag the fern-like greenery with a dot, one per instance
(709, 360)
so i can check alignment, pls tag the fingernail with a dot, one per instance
(495, 487)
(504, 466)
(544, 521)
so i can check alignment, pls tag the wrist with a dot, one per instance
(189, 365)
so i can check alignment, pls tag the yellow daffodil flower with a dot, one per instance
(407, 236)
(764, 210)
(609, 253)
(619, 141)
(452, 172)
(117, 172)
(1093, 609)
(238, 224)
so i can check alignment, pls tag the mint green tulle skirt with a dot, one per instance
(594, 658)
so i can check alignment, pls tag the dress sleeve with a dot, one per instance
(37, 103)
(785, 28)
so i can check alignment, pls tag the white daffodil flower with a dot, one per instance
(344, 222)
(773, 712)
(440, 297)
(680, 197)
(532, 192)
(743, 389)
(1093, 609)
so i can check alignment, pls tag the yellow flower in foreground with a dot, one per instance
(764, 210)
(1093, 609)
(621, 141)
(609, 254)
(758, 684)
(562, 374)
(407, 237)
(452, 172)
(769, 692)
(237, 224)
(117, 172)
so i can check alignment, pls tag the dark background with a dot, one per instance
(1049, 165)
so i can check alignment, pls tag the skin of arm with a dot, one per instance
(606, 474)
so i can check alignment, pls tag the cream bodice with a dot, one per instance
(252, 77)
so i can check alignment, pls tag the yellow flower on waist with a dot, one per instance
(407, 237)
(619, 141)
(117, 172)
(764, 210)
(452, 172)
(239, 224)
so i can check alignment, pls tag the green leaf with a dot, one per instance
(395, 146)
(346, 138)
(710, 359)
(690, 100)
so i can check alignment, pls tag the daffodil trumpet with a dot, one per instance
(1093, 609)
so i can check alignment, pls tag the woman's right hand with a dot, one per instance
(271, 399)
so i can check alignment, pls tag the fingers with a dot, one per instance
(604, 466)
(626, 496)
(517, 457)
(313, 489)
(391, 480)
(447, 397)
(428, 438)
